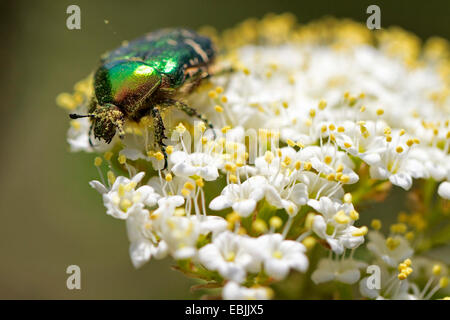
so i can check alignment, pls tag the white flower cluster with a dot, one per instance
(304, 130)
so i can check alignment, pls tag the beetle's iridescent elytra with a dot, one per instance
(147, 74)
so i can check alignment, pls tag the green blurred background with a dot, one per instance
(50, 217)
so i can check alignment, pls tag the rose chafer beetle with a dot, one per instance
(145, 75)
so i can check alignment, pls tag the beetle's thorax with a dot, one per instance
(126, 84)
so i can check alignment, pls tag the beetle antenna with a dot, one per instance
(77, 116)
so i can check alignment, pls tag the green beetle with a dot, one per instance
(147, 74)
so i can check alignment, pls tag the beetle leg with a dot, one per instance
(119, 124)
(190, 112)
(219, 71)
(195, 76)
(91, 127)
(159, 133)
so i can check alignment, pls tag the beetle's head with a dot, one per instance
(106, 120)
(125, 83)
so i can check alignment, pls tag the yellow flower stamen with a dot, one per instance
(376, 224)
(98, 161)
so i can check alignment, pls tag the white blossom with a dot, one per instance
(345, 271)
(335, 225)
(392, 250)
(279, 256)
(444, 190)
(123, 196)
(233, 291)
(199, 164)
(229, 255)
(241, 197)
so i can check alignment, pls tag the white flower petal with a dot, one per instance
(444, 190)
